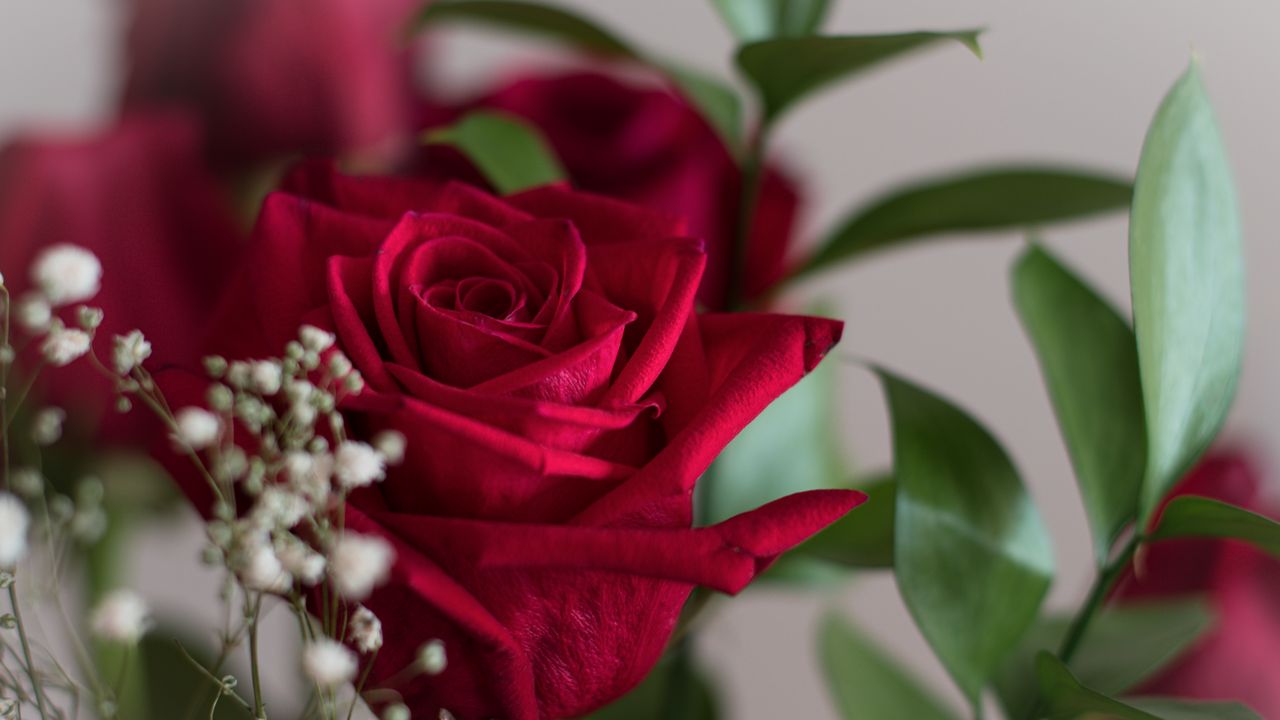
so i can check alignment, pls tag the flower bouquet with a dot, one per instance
(484, 402)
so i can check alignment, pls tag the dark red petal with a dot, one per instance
(750, 359)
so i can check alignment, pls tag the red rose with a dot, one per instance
(648, 146)
(274, 76)
(137, 197)
(1238, 659)
(560, 397)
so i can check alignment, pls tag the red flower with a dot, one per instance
(136, 196)
(560, 398)
(274, 76)
(648, 146)
(1239, 659)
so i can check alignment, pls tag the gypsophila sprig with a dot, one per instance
(15, 522)
(66, 274)
(122, 616)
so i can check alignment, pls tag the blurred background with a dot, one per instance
(1069, 82)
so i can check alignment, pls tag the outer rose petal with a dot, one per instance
(1237, 660)
(138, 197)
(585, 578)
(274, 76)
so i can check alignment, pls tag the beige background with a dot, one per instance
(1073, 82)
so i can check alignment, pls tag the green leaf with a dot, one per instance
(653, 698)
(717, 102)
(1174, 709)
(977, 200)
(1125, 646)
(1089, 358)
(762, 19)
(1187, 277)
(972, 557)
(790, 447)
(546, 20)
(784, 70)
(864, 541)
(1189, 516)
(1066, 699)
(866, 683)
(509, 152)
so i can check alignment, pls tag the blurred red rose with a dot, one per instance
(560, 398)
(137, 197)
(1239, 659)
(648, 146)
(274, 77)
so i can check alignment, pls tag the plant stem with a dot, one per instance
(1101, 586)
(259, 711)
(752, 173)
(26, 652)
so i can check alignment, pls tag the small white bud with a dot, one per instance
(33, 313)
(46, 427)
(279, 508)
(215, 366)
(304, 564)
(357, 464)
(309, 474)
(14, 523)
(129, 351)
(197, 428)
(391, 445)
(239, 375)
(63, 346)
(315, 339)
(27, 482)
(220, 397)
(261, 570)
(358, 563)
(399, 711)
(431, 657)
(267, 376)
(339, 365)
(366, 630)
(90, 317)
(122, 616)
(66, 274)
(328, 663)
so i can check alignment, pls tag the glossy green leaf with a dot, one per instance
(536, 18)
(977, 200)
(717, 102)
(790, 447)
(785, 70)
(1174, 709)
(1065, 698)
(966, 533)
(508, 151)
(1187, 277)
(762, 19)
(863, 539)
(1125, 646)
(1089, 358)
(1189, 516)
(867, 683)
(654, 697)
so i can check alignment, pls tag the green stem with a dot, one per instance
(36, 689)
(259, 711)
(752, 173)
(680, 688)
(1101, 586)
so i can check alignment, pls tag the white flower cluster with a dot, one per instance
(62, 275)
